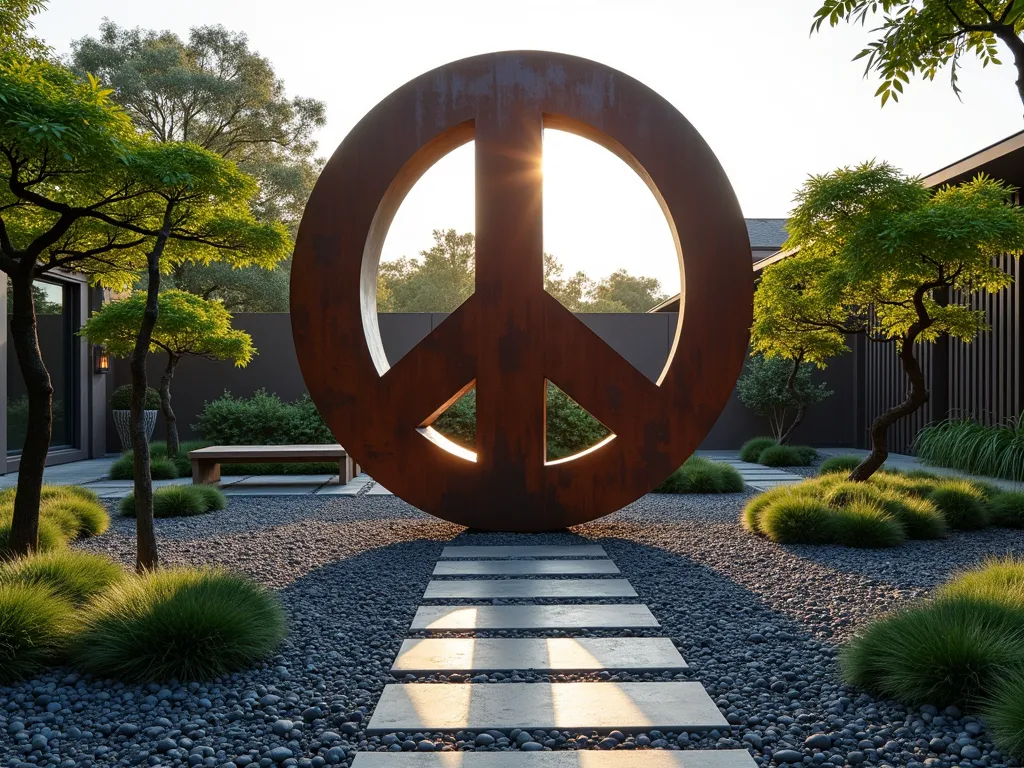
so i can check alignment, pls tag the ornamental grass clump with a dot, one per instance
(798, 519)
(961, 503)
(700, 475)
(1007, 509)
(160, 467)
(84, 517)
(1000, 580)
(751, 450)
(185, 624)
(975, 448)
(1004, 715)
(73, 576)
(51, 535)
(919, 517)
(865, 525)
(844, 464)
(952, 651)
(34, 626)
(787, 456)
(179, 501)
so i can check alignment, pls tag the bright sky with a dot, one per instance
(773, 103)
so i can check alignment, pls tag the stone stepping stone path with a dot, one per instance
(562, 654)
(528, 588)
(759, 477)
(524, 567)
(631, 707)
(454, 618)
(653, 758)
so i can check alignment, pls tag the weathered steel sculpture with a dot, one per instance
(510, 335)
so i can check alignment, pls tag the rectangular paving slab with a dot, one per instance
(447, 618)
(648, 758)
(666, 706)
(523, 567)
(564, 654)
(539, 550)
(488, 588)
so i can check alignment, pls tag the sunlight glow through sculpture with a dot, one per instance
(510, 336)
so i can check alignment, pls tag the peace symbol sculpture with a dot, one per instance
(510, 336)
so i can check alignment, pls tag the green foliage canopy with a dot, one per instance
(443, 277)
(763, 388)
(920, 37)
(186, 325)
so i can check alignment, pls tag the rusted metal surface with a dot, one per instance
(510, 335)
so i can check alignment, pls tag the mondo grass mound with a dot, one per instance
(845, 463)
(700, 475)
(751, 450)
(880, 512)
(965, 647)
(72, 576)
(179, 501)
(180, 624)
(1007, 508)
(34, 629)
(787, 456)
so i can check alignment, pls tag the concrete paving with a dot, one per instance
(562, 654)
(628, 707)
(528, 588)
(450, 618)
(544, 550)
(523, 567)
(588, 758)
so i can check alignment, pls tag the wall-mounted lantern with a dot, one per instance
(100, 359)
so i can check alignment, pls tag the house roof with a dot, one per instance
(766, 233)
(1003, 160)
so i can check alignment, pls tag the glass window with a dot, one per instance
(57, 323)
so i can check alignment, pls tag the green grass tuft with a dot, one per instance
(751, 450)
(787, 456)
(87, 518)
(919, 517)
(1000, 580)
(844, 464)
(1004, 715)
(51, 536)
(864, 525)
(178, 501)
(952, 651)
(182, 624)
(1007, 509)
(73, 576)
(700, 475)
(34, 625)
(160, 467)
(798, 519)
(961, 503)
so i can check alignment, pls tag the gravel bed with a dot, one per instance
(758, 623)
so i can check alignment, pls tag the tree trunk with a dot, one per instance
(170, 420)
(146, 555)
(24, 537)
(917, 393)
(1009, 37)
(801, 406)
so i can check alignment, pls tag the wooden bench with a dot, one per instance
(206, 461)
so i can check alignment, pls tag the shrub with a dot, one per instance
(699, 475)
(787, 456)
(845, 464)
(179, 501)
(950, 651)
(862, 524)
(961, 503)
(160, 468)
(73, 576)
(798, 519)
(263, 419)
(1000, 580)
(51, 536)
(764, 387)
(181, 624)
(1005, 715)
(121, 399)
(33, 629)
(1007, 509)
(751, 450)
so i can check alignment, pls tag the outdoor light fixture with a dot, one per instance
(100, 359)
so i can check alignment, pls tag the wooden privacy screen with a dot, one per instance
(511, 336)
